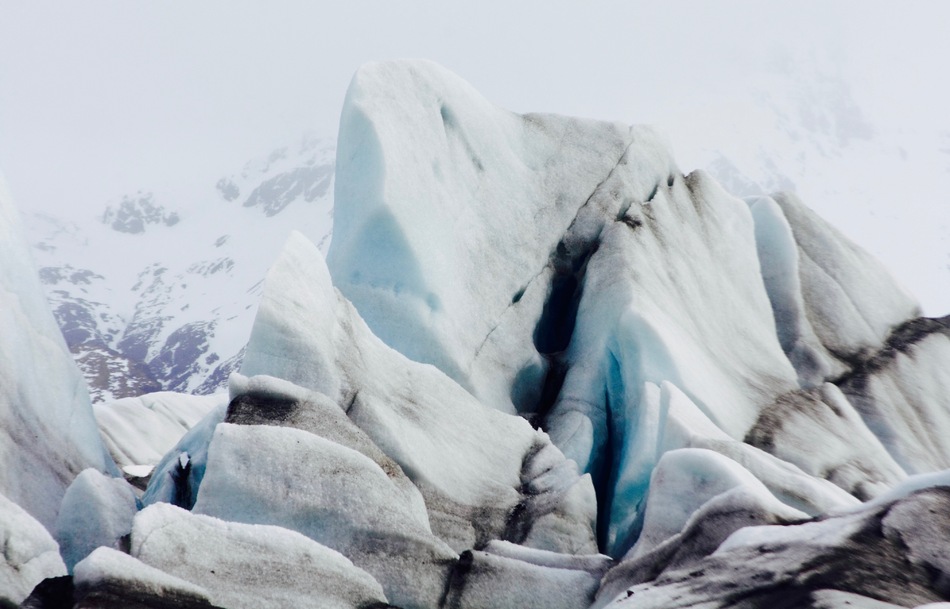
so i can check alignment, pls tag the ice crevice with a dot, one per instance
(631, 392)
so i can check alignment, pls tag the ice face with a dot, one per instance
(49, 433)
(473, 464)
(226, 559)
(430, 172)
(29, 556)
(291, 478)
(109, 577)
(178, 475)
(97, 511)
(140, 430)
(719, 374)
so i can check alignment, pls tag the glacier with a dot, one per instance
(540, 366)
(49, 433)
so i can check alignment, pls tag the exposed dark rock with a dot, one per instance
(134, 214)
(51, 593)
(276, 193)
(895, 553)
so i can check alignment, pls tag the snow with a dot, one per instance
(138, 471)
(109, 568)
(294, 479)
(140, 430)
(852, 301)
(843, 449)
(48, 432)
(170, 481)
(492, 581)
(429, 171)
(903, 394)
(471, 462)
(246, 566)
(29, 553)
(683, 481)
(177, 318)
(96, 511)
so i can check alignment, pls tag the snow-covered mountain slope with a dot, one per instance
(159, 291)
(48, 431)
(636, 390)
(805, 128)
(804, 131)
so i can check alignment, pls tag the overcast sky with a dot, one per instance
(129, 91)
(99, 98)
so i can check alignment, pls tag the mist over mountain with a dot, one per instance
(172, 317)
(158, 292)
(538, 364)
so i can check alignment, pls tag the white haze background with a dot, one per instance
(103, 98)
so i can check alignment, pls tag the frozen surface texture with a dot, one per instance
(109, 579)
(30, 554)
(97, 511)
(894, 553)
(140, 430)
(744, 409)
(249, 566)
(178, 475)
(903, 393)
(47, 430)
(484, 474)
(429, 172)
(294, 479)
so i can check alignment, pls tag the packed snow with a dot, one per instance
(30, 554)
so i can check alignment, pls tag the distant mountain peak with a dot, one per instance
(135, 212)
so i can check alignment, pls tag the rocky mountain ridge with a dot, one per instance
(154, 295)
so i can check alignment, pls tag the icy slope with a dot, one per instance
(730, 379)
(48, 431)
(159, 292)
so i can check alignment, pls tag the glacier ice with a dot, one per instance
(109, 578)
(430, 172)
(97, 510)
(260, 474)
(176, 478)
(683, 481)
(48, 433)
(903, 393)
(484, 474)
(846, 452)
(244, 566)
(723, 381)
(29, 556)
(140, 430)
(263, 400)
(894, 552)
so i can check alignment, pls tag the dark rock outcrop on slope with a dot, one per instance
(896, 553)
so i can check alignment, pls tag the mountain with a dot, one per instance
(159, 291)
(154, 319)
(804, 127)
(540, 366)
